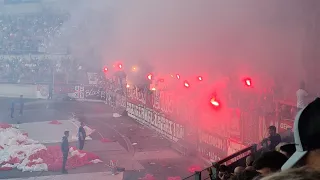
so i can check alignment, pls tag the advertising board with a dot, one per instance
(212, 146)
(166, 127)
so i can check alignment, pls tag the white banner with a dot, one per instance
(169, 129)
(93, 78)
(42, 91)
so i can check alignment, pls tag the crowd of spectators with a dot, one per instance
(281, 160)
(27, 33)
(23, 40)
(27, 69)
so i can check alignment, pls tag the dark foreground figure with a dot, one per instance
(65, 151)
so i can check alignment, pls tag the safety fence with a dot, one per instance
(173, 117)
(161, 112)
(211, 173)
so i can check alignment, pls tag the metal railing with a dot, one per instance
(212, 171)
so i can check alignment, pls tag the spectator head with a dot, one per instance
(288, 149)
(66, 133)
(272, 130)
(21, 96)
(238, 170)
(269, 162)
(249, 160)
(306, 135)
(250, 168)
(246, 175)
(295, 174)
(82, 123)
(224, 172)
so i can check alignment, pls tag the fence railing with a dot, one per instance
(212, 171)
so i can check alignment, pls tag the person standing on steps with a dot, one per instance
(65, 151)
(21, 101)
(12, 109)
(50, 91)
(81, 135)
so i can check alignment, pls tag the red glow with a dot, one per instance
(178, 76)
(214, 102)
(186, 84)
(105, 69)
(200, 78)
(248, 82)
(161, 80)
(150, 76)
(194, 168)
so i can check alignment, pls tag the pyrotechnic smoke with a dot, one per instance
(216, 38)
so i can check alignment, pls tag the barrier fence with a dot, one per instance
(160, 112)
(212, 171)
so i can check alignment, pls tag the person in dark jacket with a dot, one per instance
(21, 101)
(65, 151)
(50, 91)
(224, 173)
(12, 109)
(274, 138)
(81, 136)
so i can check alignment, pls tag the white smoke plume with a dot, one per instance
(213, 38)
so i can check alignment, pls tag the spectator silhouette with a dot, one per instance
(306, 134)
(246, 175)
(295, 174)
(269, 162)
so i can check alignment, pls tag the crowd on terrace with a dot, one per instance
(278, 160)
(37, 69)
(27, 33)
(23, 40)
